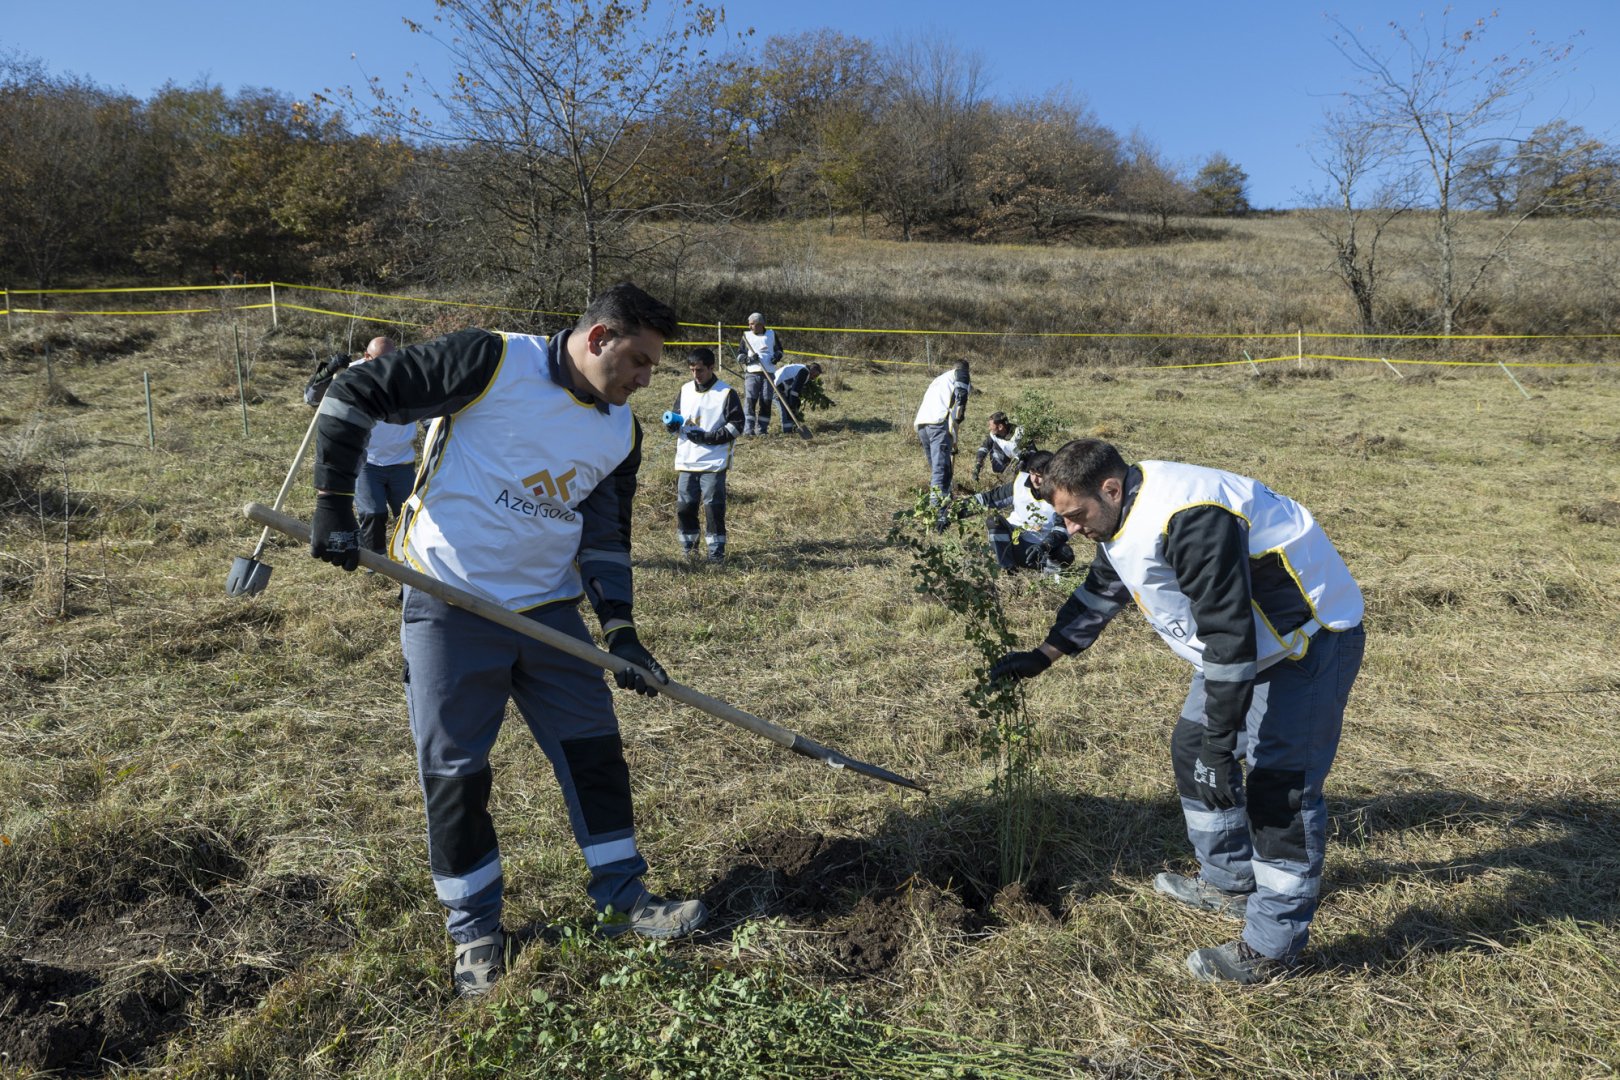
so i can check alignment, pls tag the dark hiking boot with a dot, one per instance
(1198, 893)
(1236, 961)
(479, 964)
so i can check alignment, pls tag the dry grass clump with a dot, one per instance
(196, 784)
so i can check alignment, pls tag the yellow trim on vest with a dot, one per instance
(1295, 645)
(1119, 530)
(499, 364)
(1165, 531)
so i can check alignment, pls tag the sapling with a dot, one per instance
(954, 566)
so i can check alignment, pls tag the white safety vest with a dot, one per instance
(1277, 525)
(1008, 446)
(705, 409)
(764, 346)
(499, 513)
(936, 402)
(1028, 512)
(787, 372)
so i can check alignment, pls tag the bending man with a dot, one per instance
(1243, 584)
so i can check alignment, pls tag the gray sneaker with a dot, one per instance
(655, 917)
(479, 964)
(1236, 961)
(1201, 894)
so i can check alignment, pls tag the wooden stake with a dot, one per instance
(151, 429)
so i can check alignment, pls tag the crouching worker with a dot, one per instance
(1028, 533)
(708, 418)
(791, 383)
(1243, 584)
(525, 502)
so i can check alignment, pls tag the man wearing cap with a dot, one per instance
(939, 417)
(707, 420)
(759, 353)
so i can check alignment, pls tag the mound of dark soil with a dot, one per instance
(108, 980)
(864, 903)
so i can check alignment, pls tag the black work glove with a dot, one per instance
(673, 426)
(334, 535)
(978, 467)
(1020, 665)
(1033, 556)
(624, 644)
(1215, 770)
(697, 435)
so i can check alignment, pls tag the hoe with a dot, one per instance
(272, 518)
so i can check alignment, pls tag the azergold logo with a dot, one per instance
(542, 483)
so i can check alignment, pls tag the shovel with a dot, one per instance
(249, 576)
(584, 650)
(798, 425)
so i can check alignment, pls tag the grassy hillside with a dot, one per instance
(211, 849)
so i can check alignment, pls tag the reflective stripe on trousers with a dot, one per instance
(1273, 842)
(460, 672)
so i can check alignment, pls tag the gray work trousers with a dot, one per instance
(1271, 844)
(936, 444)
(709, 490)
(460, 671)
(757, 399)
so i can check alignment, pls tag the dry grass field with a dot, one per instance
(211, 849)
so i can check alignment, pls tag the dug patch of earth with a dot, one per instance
(105, 986)
(862, 902)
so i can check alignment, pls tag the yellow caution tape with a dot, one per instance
(1222, 363)
(424, 300)
(352, 315)
(135, 288)
(1461, 363)
(72, 311)
(1103, 335)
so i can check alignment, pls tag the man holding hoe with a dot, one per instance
(1244, 584)
(524, 501)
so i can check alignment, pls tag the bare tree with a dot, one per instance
(931, 125)
(552, 102)
(1353, 157)
(1152, 184)
(1440, 104)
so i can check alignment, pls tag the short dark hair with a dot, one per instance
(998, 417)
(1081, 465)
(1036, 461)
(626, 309)
(701, 355)
(814, 368)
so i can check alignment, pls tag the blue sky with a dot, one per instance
(1250, 78)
